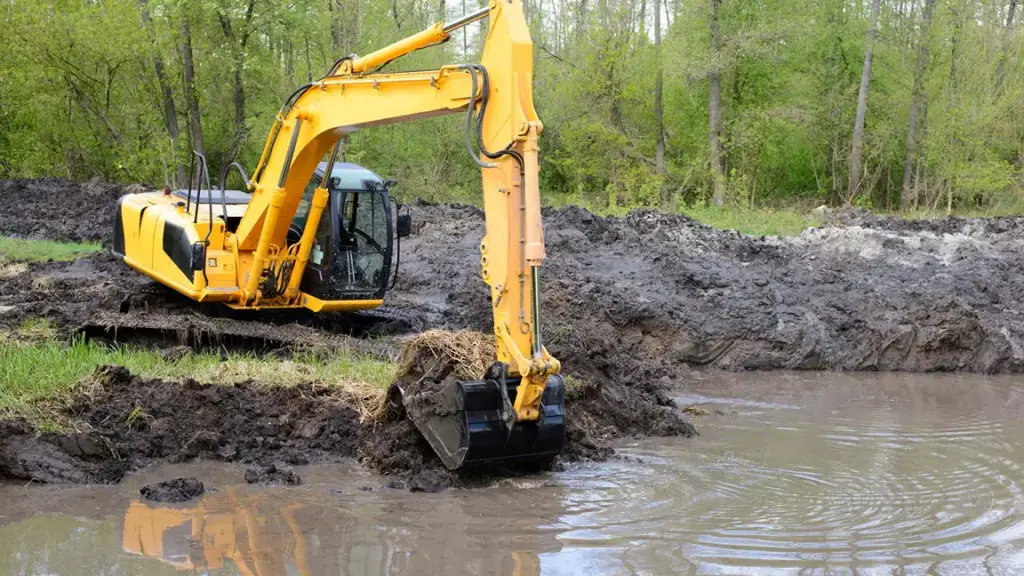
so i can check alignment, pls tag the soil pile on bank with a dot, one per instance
(637, 300)
(57, 209)
(434, 361)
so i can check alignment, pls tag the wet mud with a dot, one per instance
(174, 491)
(646, 296)
(629, 306)
(58, 209)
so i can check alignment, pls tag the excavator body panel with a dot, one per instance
(185, 240)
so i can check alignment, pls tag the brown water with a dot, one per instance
(799, 474)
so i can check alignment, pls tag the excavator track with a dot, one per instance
(155, 317)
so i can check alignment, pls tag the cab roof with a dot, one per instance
(351, 176)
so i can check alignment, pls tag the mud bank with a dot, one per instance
(126, 422)
(642, 298)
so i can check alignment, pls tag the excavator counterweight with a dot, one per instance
(312, 232)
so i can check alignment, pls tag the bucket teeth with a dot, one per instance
(474, 423)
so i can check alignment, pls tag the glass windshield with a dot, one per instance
(362, 241)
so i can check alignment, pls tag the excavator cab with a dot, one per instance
(355, 249)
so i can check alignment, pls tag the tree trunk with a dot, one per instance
(857, 154)
(715, 107)
(191, 95)
(1001, 70)
(239, 41)
(336, 25)
(923, 55)
(659, 82)
(167, 98)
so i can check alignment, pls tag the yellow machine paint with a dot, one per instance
(195, 251)
(241, 531)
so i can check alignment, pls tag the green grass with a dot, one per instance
(758, 222)
(39, 373)
(22, 250)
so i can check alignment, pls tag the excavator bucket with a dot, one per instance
(474, 422)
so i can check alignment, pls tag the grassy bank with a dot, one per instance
(39, 373)
(23, 250)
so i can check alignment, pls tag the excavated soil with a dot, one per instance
(630, 305)
(57, 209)
(174, 491)
(644, 297)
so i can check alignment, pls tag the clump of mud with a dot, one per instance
(173, 491)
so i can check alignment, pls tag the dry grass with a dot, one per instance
(471, 352)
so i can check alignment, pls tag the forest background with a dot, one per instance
(727, 106)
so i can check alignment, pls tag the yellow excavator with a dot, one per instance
(313, 233)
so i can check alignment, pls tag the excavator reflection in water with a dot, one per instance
(258, 534)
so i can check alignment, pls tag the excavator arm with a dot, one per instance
(506, 128)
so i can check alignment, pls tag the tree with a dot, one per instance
(857, 154)
(191, 93)
(659, 84)
(715, 110)
(239, 40)
(916, 105)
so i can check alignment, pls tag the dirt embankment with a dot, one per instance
(57, 209)
(629, 305)
(640, 298)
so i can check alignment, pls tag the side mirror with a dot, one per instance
(403, 225)
(198, 256)
(334, 183)
(389, 184)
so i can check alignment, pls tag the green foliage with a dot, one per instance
(80, 96)
(763, 222)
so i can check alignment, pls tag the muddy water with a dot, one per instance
(808, 474)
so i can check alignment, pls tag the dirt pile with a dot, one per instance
(57, 209)
(636, 300)
(434, 361)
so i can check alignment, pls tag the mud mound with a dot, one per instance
(173, 491)
(53, 459)
(57, 209)
(630, 301)
(434, 361)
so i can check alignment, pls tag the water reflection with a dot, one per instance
(328, 526)
(799, 474)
